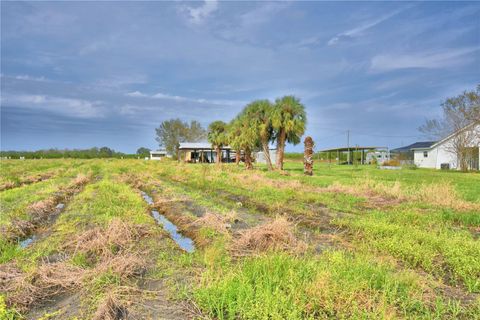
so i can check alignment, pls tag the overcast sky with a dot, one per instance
(83, 74)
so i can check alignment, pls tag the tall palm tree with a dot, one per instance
(289, 122)
(260, 113)
(217, 136)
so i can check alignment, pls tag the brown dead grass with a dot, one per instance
(28, 180)
(47, 280)
(103, 242)
(42, 210)
(112, 249)
(378, 193)
(219, 223)
(276, 235)
(19, 228)
(111, 309)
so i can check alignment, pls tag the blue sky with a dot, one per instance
(82, 74)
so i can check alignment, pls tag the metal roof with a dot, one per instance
(163, 151)
(352, 148)
(416, 145)
(198, 146)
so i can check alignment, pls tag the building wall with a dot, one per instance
(429, 162)
(442, 154)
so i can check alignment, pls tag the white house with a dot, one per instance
(158, 154)
(441, 154)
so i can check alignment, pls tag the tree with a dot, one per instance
(460, 113)
(260, 114)
(105, 152)
(288, 121)
(143, 152)
(243, 136)
(217, 136)
(171, 132)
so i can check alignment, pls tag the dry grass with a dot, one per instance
(111, 248)
(125, 265)
(276, 235)
(27, 180)
(42, 210)
(19, 228)
(378, 193)
(217, 222)
(47, 280)
(7, 185)
(101, 242)
(110, 309)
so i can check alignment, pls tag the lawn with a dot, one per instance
(349, 242)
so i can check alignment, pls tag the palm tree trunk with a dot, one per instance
(237, 157)
(280, 149)
(266, 151)
(248, 159)
(219, 155)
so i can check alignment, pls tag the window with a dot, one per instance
(425, 154)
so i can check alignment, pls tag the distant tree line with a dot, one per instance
(91, 153)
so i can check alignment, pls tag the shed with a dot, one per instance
(203, 152)
(158, 154)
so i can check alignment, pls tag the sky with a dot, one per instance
(84, 74)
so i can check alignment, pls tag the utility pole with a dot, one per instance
(348, 146)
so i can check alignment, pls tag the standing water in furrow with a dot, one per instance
(34, 237)
(185, 243)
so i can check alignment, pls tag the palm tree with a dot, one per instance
(289, 121)
(260, 113)
(217, 136)
(243, 136)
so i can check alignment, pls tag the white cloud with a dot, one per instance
(27, 77)
(359, 30)
(136, 94)
(197, 15)
(160, 95)
(76, 108)
(121, 80)
(426, 60)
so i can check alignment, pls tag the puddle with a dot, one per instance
(25, 243)
(183, 242)
(28, 241)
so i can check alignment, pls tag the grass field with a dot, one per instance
(80, 241)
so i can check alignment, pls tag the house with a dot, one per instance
(441, 154)
(203, 152)
(159, 154)
(260, 156)
(405, 154)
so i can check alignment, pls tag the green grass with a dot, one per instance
(397, 256)
(335, 285)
